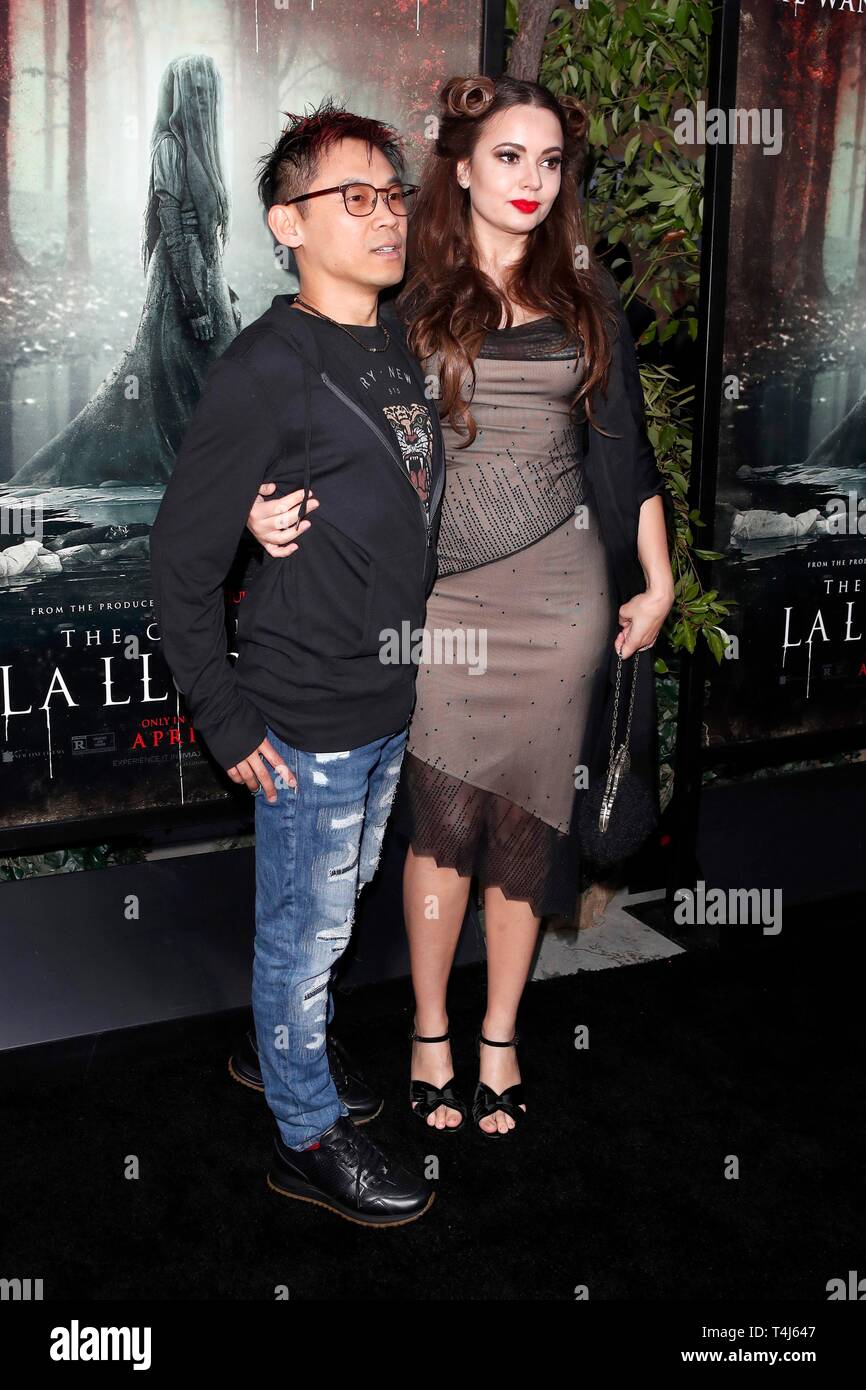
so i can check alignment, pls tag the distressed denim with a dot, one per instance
(315, 849)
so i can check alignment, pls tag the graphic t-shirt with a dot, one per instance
(387, 379)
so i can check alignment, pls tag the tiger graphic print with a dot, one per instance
(411, 424)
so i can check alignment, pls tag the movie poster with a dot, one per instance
(133, 249)
(791, 482)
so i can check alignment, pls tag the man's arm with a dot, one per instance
(230, 442)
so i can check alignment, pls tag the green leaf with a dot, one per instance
(631, 149)
(633, 22)
(704, 20)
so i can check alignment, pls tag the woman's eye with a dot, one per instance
(553, 161)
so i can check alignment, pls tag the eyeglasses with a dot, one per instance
(360, 199)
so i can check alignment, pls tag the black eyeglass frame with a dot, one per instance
(359, 183)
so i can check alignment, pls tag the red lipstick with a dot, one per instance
(522, 205)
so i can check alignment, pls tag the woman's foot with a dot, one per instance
(431, 1062)
(498, 1069)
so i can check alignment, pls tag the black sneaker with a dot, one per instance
(346, 1173)
(360, 1099)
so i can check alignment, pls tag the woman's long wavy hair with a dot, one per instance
(448, 303)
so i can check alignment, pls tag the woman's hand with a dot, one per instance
(275, 524)
(642, 619)
(202, 327)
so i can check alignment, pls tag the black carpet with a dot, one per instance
(616, 1181)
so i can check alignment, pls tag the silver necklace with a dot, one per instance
(379, 324)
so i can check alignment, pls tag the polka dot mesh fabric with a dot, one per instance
(518, 627)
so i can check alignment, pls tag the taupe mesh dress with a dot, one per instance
(488, 779)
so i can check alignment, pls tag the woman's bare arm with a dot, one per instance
(643, 616)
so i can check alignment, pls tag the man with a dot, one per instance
(319, 394)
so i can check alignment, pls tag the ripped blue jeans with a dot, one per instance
(315, 849)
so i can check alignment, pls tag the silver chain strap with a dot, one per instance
(619, 759)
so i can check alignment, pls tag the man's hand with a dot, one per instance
(253, 773)
(275, 524)
(641, 620)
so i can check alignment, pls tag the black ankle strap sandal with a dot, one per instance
(429, 1097)
(486, 1102)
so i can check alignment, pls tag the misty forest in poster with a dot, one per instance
(132, 249)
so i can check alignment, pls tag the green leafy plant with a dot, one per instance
(696, 611)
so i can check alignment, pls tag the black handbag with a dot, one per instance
(618, 812)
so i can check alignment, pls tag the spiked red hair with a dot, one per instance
(290, 167)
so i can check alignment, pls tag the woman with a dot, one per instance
(504, 317)
(189, 315)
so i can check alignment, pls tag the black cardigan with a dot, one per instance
(622, 473)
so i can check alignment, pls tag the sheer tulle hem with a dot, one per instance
(488, 837)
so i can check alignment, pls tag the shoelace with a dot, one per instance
(371, 1161)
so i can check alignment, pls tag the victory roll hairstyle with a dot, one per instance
(448, 302)
(291, 166)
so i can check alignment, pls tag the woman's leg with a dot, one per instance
(511, 931)
(434, 905)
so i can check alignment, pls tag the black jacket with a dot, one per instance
(308, 629)
(621, 473)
